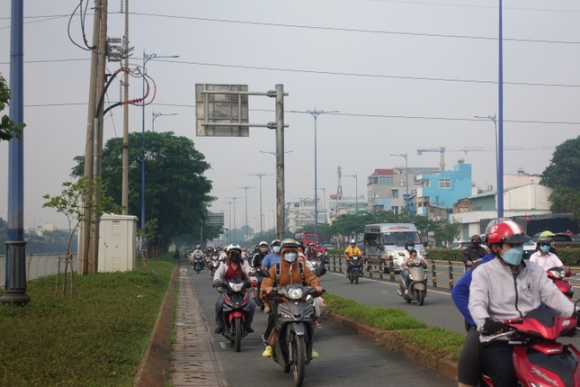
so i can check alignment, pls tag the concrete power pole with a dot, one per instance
(125, 178)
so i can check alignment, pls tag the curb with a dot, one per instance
(390, 340)
(156, 362)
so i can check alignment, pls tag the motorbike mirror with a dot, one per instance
(247, 284)
(320, 271)
(264, 273)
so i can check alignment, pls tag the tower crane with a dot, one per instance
(440, 149)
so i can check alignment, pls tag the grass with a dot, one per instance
(97, 338)
(408, 329)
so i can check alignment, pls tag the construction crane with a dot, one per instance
(441, 150)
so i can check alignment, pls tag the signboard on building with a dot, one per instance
(221, 110)
(215, 219)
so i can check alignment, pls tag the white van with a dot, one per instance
(387, 240)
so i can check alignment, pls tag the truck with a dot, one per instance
(386, 241)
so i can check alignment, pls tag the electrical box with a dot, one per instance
(117, 243)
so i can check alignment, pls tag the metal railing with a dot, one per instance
(37, 265)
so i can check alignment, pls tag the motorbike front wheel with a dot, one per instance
(356, 276)
(238, 334)
(299, 359)
(420, 297)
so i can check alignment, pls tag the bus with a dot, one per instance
(305, 238)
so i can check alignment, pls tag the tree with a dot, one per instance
(8, 128)
(563, 177)
(176, 191)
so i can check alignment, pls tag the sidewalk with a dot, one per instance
(194, 360)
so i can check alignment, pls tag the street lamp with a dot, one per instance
(146, 58)
(356, 189)
(246, 212)
(315, 113)
(234, 198)
(260, 175)
(155, 115)
(497, 174)
(407, 173)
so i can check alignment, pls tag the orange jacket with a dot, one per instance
(310, 278)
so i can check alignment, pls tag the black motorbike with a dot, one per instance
(235, 311)
(198, 263)
(295, 327)
(356, 269)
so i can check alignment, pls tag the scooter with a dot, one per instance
(539, 359)
(198, 264)
(236, 307)
(417, 290)
(356, 269)
(213, 265)
(294, 324)
(558, 275)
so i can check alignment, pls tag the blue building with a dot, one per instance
(443, 189)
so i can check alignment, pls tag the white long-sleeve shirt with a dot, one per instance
(546, 261)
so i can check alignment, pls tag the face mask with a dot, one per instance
(410, 247)
(263, 249)
(276, 249)
(235, 258)
(290, 257)
(545, 249)
(513, 256)
(476, 244)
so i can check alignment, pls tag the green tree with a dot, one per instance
(8, 128)
(563, 177)
(176, 190)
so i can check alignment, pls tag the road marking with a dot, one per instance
(388, 283)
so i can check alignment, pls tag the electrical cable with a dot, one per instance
(80, 5)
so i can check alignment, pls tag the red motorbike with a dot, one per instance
(558, 275)
(539, 359)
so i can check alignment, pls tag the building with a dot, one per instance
(443, 189)
(386, 188)
(300, 213)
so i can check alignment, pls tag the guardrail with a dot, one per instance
(37, 265)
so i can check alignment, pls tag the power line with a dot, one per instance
(365, 115)
(434, 79)
(356, 30)
(407, 2)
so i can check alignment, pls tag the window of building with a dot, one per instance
(395, 193)
(445, 183)
(395, 209)
(385, 180)
(427, 183)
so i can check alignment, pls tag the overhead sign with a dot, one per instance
(221, 110)
(215, 219)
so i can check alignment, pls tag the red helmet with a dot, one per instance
(506, 231)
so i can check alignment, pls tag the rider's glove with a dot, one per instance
(492, 327)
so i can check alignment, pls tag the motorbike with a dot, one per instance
(417, 290)
(198, 264)
(558, 275)
(213, 265)
(539, 359)
(294, 323)
(236, 307)
(356, 269)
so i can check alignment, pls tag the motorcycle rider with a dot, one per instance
(507, 288)
(550, 235)
(351, 251)
(543, 257)
(290, 271)
(473, 252)
(233, 268)
(274, 257)
(260, 255)
(404, 260)
(311, 253)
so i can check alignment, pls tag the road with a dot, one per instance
(345, 358)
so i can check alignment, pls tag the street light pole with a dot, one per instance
(407, 173)
(155, 115)
(315, 113)
(246, 212)
(356, 190)
(234, 198)
(500, 117)
(324, 198)
(146, 58)
(260, 175)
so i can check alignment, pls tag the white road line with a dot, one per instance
(387, 283)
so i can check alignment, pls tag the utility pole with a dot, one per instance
(125, 178)
(234, 198)
(260, 175)
(246, 212)
(85, 229)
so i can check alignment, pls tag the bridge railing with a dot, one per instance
(37, 265)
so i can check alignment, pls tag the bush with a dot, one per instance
(444, 254)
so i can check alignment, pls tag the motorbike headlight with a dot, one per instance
(411, 277)
(236, 286)
(557, 273)
(285, 315)
(295, 293)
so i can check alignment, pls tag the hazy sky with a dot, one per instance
(378, 63)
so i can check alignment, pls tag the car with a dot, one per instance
(460, 245)
(529, 249)
(328, 246)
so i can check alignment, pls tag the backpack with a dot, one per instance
(300, 267)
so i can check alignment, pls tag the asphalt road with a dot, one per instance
(345, 358)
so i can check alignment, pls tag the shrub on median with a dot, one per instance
(98, 338)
